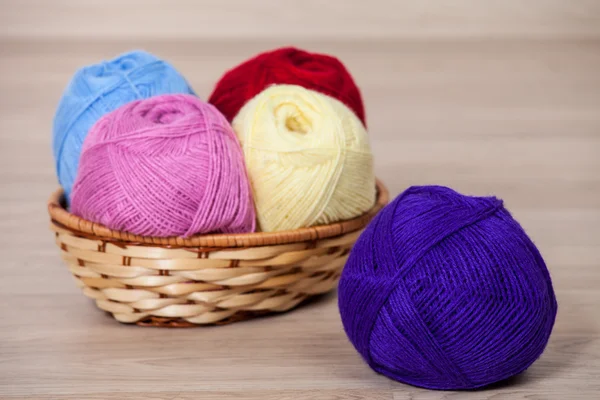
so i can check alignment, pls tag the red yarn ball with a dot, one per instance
(288, 65)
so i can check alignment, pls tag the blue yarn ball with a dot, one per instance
(98, 89)
(446, 291)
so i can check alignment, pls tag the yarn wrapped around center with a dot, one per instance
(101, 88)
(169, 165)
(446, 291)
(286, 66)
(308, 158)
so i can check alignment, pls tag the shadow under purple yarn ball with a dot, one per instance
(446, 291)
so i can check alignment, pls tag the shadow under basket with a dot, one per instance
(203, 279)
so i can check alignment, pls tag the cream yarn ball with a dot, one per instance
(308, 158)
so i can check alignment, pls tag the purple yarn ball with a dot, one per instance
(446, 291)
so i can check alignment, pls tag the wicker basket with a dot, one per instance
(204, 279)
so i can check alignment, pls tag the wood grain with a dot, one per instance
(490, 98)
(344, 394)
(293, 20)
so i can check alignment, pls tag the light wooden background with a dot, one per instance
(489, 97)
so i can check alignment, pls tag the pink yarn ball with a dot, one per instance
(169, 165)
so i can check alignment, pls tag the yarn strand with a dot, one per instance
(308, 158)
(446, 291)
(169, 165)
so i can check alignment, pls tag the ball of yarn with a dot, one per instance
(101, 88)
(308, 158)
(446, 291)
(320, 72)
(169, 165)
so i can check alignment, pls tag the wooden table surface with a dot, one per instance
(506, 102)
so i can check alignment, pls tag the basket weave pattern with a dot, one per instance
(206, 279)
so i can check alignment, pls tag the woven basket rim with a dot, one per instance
(84, 228)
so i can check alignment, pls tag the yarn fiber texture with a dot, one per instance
(289, 65)
(446, 291)
(169, 165)
(99, 89)
(308, 158)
